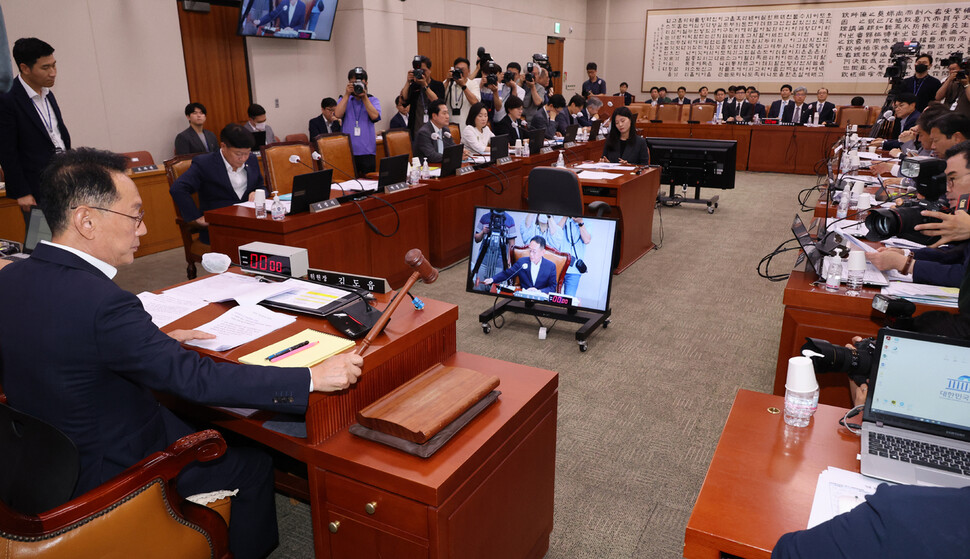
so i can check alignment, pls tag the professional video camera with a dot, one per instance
(857, 362)
(957, 58)
(900, 55)
(416, 66)
(359, 87)
(929, 174)
(543, 61)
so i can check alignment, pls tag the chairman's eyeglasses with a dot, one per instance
(139, 218)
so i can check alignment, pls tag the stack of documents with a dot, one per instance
(839, 491)
(598, 175)
(246, 290)
(363, 185)
(604, 165)
(240, 325)
(922, 293)
(166, 308)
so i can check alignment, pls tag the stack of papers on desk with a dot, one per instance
(598, 175)
(477, 159)
(839, 491)
(613, 166)
(246, 290)
(241, 325)
(165, 308)
(358, 185)
(922, 293)
(874, 156)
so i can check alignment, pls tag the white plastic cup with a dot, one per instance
(857, 260)
(865, 202)
(518, 147)
(872, 148)
(801, 392)
(801, 375)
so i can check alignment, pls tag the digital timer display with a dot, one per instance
(265, 262)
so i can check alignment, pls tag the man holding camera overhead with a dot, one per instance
(461, 92)
(358, 111)
(535, 93)
(419, 91)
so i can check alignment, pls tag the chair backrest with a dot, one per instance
(397, 142)
(555, 191)
(702, 112)
(645, 111)
(279, 170)
(38, 466)
(455, 132)
(874, 112)
(177, 165)
(560, 259)
(138, 159)
(297, 138)
(852, 115)
(335, 149)
(671, 112)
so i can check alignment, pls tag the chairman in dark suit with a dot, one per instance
(534, 272)
(222, 178)
(433, 137)
(32, 129)
(288, 14)
(195, 138)
(82, 354)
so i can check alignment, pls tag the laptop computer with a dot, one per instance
(537, 139)
(570, 135)
(498, 148)
(310, 188)
(393, 171)
(872, 276)
(451, 158)
(916, 421)
(37, 230)
(594, 130)
(260, 137)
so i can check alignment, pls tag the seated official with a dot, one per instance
(654, 96)
(512, 124)
(702, 99)
(623, 144)
(946, 130)
(722, 109)
(906, 114)
(937, 266)
(895, 521)
(476, 133)
(400, 119)
(681, 98)
(591, 112)
(222, 178)
(573, 111)
(257, 123)
(433, 137)
(797, 111)
(82, 354)
(822, 107)
(327, 122)
(550, 116)
(195, 138)
(535, 273)
(750, 107)
(627, 97)
(777, 108)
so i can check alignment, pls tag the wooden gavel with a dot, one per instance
(424, 271)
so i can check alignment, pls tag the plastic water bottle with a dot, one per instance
(425, 171)
(833, 274)
(415, 171)
(756, 119)
(801, 392)
(560, 162)
(260, 202)
(843, 209)
(278, 211)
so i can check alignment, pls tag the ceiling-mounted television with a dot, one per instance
(288, 19)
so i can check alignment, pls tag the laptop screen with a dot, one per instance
(921, 382)
(807, 243)
(37, 230)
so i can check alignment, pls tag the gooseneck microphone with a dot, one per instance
(424, 271)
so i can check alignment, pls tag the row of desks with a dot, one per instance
(434, 216)
(765, 148)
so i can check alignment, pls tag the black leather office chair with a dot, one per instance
(556, 191)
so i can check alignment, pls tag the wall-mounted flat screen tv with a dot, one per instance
(288, 19)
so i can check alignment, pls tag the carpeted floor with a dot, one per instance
(640, 413)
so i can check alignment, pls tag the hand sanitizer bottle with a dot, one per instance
(560, 162)
(425, 171)
(279, 212)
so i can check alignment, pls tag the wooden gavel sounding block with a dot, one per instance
(424, 271)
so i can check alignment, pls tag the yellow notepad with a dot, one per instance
(327, 345)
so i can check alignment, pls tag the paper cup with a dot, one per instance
(872, 148)
(857, 260)
(801, 375)
(865, 201)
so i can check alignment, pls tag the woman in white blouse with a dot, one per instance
(476, 134)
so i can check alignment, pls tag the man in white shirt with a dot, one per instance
(31, 126)
(461, 93)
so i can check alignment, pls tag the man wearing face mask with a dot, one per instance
(257, 123)
(922, 85)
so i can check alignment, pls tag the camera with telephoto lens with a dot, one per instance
(456, 74)
(491, 79)
(543, 61)
(929, 174)
(857, 362)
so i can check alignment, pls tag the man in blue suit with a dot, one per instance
(222, 178)
(289, 14)
(82, 354)
(535, 273)
(32, 129)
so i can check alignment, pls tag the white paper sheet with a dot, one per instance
(166, 308)
(246, 290)
(839, 491)
(358, 185)
(598, 175)
(613, 166)
(269, 204)
(240, 325)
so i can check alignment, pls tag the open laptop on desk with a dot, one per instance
(498, 147)
(451, 159)
(872, 276)
(916, 421)
(394, 170)
(537, 139)
(260, 138)
(310, 188)
(594, 130)
(570, 135)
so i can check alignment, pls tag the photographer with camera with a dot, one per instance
(362, 110)
(535, 93)
(461, 93)
(955, 90)
(419, 91)
(507, 88)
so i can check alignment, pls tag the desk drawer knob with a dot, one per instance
(334, 526)
(371, 507)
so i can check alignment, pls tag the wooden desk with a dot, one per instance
(496, 476)
(336, 238)
(12, 226)
(632, 198)
(790, 149)
(832, 316)
(761, 481)
(163, 233)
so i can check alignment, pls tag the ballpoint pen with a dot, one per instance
(293, 352)
(287, 350)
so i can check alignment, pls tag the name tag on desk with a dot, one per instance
(395, 187)
(545, 150)
(325, 204)
(503, 160)
(568, 145)
(464, 170)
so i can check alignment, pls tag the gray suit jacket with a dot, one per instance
(425, 146)
(188, 141)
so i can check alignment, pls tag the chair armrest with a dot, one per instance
(166, 465)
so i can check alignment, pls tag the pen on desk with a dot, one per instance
(287, 350)
(292, 351)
